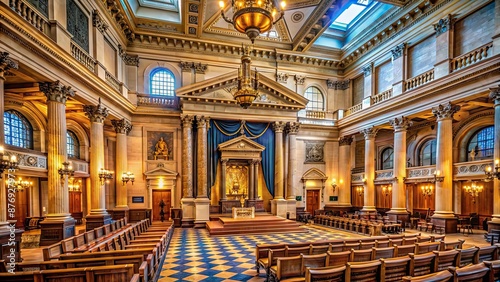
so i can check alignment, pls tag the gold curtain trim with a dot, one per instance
(228, 134)
(256, 136)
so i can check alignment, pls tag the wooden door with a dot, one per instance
(159, 195)
(22, 207)
(312, 201)
(75, 201)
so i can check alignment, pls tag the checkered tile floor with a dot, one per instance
(195, 256)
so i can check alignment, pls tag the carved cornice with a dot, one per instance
(122, 126)
(293, 127)
(55, 91)
(96, 113)
(367, 70)
(444, 25)
(345, 140)
(279, 126)
(400, 124)
(445, 112)
(300, 79)
(282, 77)
(6, 64)
(370, 132)
(338, 85)
(98, 22)
(398, 51)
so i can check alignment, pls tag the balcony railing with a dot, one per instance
(419, 80)
(354, 109)
(157, 101)
(31, 15)
(472, 57)
(382, 96)
(472, 168)
(83, 57)
(29, 158)
(113, 82)
(313, 114)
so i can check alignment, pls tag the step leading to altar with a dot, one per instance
(260, 224)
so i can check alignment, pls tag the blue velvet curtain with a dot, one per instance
(221, 131)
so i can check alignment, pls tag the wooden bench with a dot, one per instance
(442, 276)
(394, 269)
(53, 251)
(331, 273)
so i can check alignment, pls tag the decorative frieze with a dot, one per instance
(345, 140)
(122, 126)
(314, 152)
(367, 70)
(96, 113)
(282, 77)
(370, 133)
(398, 51)
(300, 79)
(293, 127)
(400, 124)
(6, 64)
(445, 111)
(444, 25)
(55, 91)
(338, 85)
(98, 22)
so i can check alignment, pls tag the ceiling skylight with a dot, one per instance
(351, 14)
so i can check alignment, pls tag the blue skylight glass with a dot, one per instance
(351, 14)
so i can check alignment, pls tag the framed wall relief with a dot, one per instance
(160, 145)
(314, 152)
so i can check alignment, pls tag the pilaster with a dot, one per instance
(444, 46)
(369, 185)
(122, 128)
(495, 96)
(202, 203)
(368, 85)
(58, 24)
(98, 30)
(398, 68)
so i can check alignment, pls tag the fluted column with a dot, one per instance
(187, 200)
(344, 182)
(399, 171)
(251, 179)
(202, 203)
(369, 186)
(495, 95)
(223, 180)
(444, 159)
(256, 180)
(293, 129)
(278, 127)
(97, 115)
(6, 63)
(122, 129)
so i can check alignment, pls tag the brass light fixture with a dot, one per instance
(66, 170)
(490, 175)
(427, 190)
(387, 189)
(7, 162)
(21, 184)
(437, 177)
(105, 175)
(74, 184)
(128, 176)
(247, 85)
(334, 184)
(360, 190)
(253, 17)
(473, 190)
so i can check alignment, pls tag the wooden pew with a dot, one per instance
(394, 269)
(332, 273)
(53, 251)
(442, 276)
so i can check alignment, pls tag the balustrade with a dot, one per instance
(472, 57)
(31, 15)
(148, 100)
(113, 82)
(419, 80)
(382, 96)
(83, 57)
(353, 109)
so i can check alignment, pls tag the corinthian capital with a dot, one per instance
(400, 124)
(293, 127)
(202, 121)
(444, 25)
(122, 126)
(495, 95)
(187, 121)
(446, 111)
(345, 140)
(55, 91)
(279, 126)
(98, 22)
(6, 63)
(370, 132)
(96, 113)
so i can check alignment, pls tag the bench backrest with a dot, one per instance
(445, 259)
(79, 240)
(68, 245)
(394, 269)
(469, 256)
(422, 248)
(422, 264)
(335, 273)
(488, 253)
(52, 252)
(366, 271)
(289, 267)
(338, 258)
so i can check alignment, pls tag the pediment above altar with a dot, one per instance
(160, 171)
(219, 90)
(240, 148)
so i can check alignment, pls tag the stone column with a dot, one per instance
(369, 186)
(293, 129)
(122, 129)
(495, 95)
(344, 181)
(6, 63)
(398, 209)
(187, 201)
(444, 46)
(251, 179)
(58, 216)
(223, 180)
(98, 215)
(398, 68)
(444, 215)
(202, 202)
(279, 207)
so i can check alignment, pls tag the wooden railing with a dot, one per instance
(30, 15)
(472, 57)
(382, 96)
(83, 57)
(419, 80)
(113, 82)
(353, 109)
(148, 100)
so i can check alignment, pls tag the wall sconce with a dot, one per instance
(364, 179)
(74, 184)
(473, 190)
(105, 175)
(6, 162)
(334, 184)
(438, 178)
(490, 175)
(360, 190)
(21, 184)
(66, 170)
(387, 189)
(128, 176)
(426, 190)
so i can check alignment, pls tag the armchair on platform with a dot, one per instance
(474, 220)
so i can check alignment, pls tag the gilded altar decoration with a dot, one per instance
(160, 145)
(236, 181)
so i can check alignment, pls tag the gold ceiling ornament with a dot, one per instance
(253, 17)
(247, 85)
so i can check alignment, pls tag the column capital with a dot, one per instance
(279, 126)
(400, 124)
(187, 121)
(122, 126)
(370, 132)
(293, 127)
(444, 25)
(445, 111)
(186, 66)
(345, 140)
(55, 91)
(367, 70)
(495, 95)
(254, 161)
(202, 121)
(129, 60)
(200, 68)
(398, 51)
(6, 64)
(224, 161)
(300, 79)
(98, 22)
(96, 113)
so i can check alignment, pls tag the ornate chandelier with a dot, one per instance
(247, 86)
(253, 17)
(427, 190)
(473, 190)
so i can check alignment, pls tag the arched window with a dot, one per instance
(316, 99)
(387, 161)
(428, 153)
(18, 130)
(72, 145)
(481, 144)
(162, 82)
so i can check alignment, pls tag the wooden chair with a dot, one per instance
(404, 250)
(422, 264)
(53, 251)
(314, 261)
(422, 248)
(388, 252)
(442, 276)
(319, 249)
(395, 242)
(445, 259)
(351, 246)
(361, 255)
(272, 258)
(366, 245)
(452, 245)
(262, 254)
(338, 258)
(79, 240)
(337, 248)
(393, 269)
(469, 256)
(410, 241)
(488, 253)
(68, 245)
(438, 238)
(331, 274)
(382, 243)
(475, 272)
(287, 267)
(292, 251)
(423, 239)
(494, 266)
(364, 271)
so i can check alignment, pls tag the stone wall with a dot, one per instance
(474, 30)
(358, 90)
(422, 56)
(384, 77)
